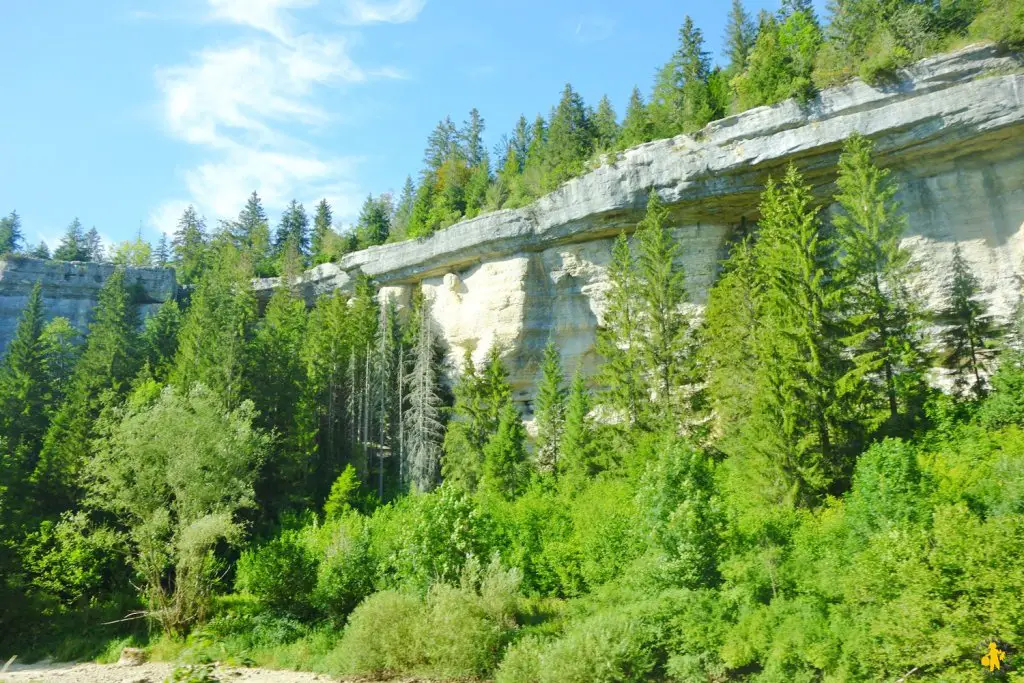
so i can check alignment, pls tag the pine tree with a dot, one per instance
(10, 233)
(606, 126)
(72, 246)
(682, 99)
(213, 341)
(740, 34)
(883, 319)
(522, 137)
(970, 330)
(23, 380)
(577, 457)
(465, 436)
(102, 375)
(471, 137)
(94, 245)
(294, 230)
(374, 225)
(636, 127)
(664, 343)
(618, 337)
(442, 144)
(189, 245)
(403, 210)
(506, 471)
(160, 340)
(40, 251)
(570, 139)
(323, 223)
(61, 348)
(250, 233)
(162, 253)
(424, 430)
(800, 360)
(550, 412)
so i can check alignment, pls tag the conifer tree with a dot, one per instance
(606, 127)
(636, 126)
(162, 254)
(94, 245)
(618, 337)
(40, 251)
(250, 233)
(570, 139)
(102, 375)
(323, 223)
(883, 319)
(740, 34)
(189, 245)
(682, 99)
(471, 137)
(403, 210)
(424, 430)
(506, 470)
(464, 438)
(23, 380)
(384, 406)
(969, 329)
(72, 245)
(522, 138)
(61, 349)
(550, 412)
(10, 233)
(577, 457)
(664, 343)
(800, 360)
(293, 230)
(374, 223)
(160, 340)
(215, 333)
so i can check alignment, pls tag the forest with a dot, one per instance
(818, 478)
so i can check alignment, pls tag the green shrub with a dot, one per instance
(280, 574)
(1001, 21)
(347, 569)
(384, 635)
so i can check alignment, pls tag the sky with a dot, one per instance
(123, 113)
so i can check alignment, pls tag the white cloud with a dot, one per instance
(397, 12)
(247, 103)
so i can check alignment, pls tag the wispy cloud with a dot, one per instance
(250, 103)
(592, 28)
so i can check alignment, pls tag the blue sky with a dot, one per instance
(122, 113)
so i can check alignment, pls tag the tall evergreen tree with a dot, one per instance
(423, 427)
(577, 456)
(636, 126)
(250, 233)
(10, 233)
(570, 139)
(323, 222)
(160, 340)
(40, 251)
(189, 245)
(213, 341)
(969, 329)
(682, 99)
(374, 225)
(874, 269)
(550, 411)
(506, 471)
(665, 342)
(23, 380)
(293, 229)
(471, 137)
(72, 245)
(740, 34)
(522, 137)
(62, 345)
(606, 126)
(800, 360)
(403, 209)
(94, 245)
(102, 375)
(162, 253)
(618, 336)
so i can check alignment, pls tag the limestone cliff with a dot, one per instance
(950, 127)
(70, 289)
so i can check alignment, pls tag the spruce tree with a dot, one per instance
(424, 430)
(636, 126)
(506, 471)
(94, 245)
(374, 224)
(250, 233)
(665, 342)
(323, 222)
(577, 456)
(189, 246)
(23, 384)
(40, 251)
(403, 209)
(618, 337)
(72, 245)
(606, 126)
(214, 337)
(550, 411)
(292, 230)
(62, 345)
(162, 254)
(464, 439)
(471, 138)
(883, 320)
(570, 139)
(740, 34)
(800, 360)
(682, 100)
(102, 375)
(10, 233)
(160, 340)
(970, 331)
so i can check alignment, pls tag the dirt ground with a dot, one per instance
(151, 672)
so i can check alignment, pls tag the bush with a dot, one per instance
(347, 569)
(384, 635)
(1001, 21)
(280, 574)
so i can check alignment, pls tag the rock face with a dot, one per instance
(70, 289)
(951, 128)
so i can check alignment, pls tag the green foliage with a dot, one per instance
(506, 470)
(10, 233)
(578, 458)
(193, 673)
(176, 471)
(343, 494)
(280, 574)
(550, 410)
(189, 246)
(780, 63)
